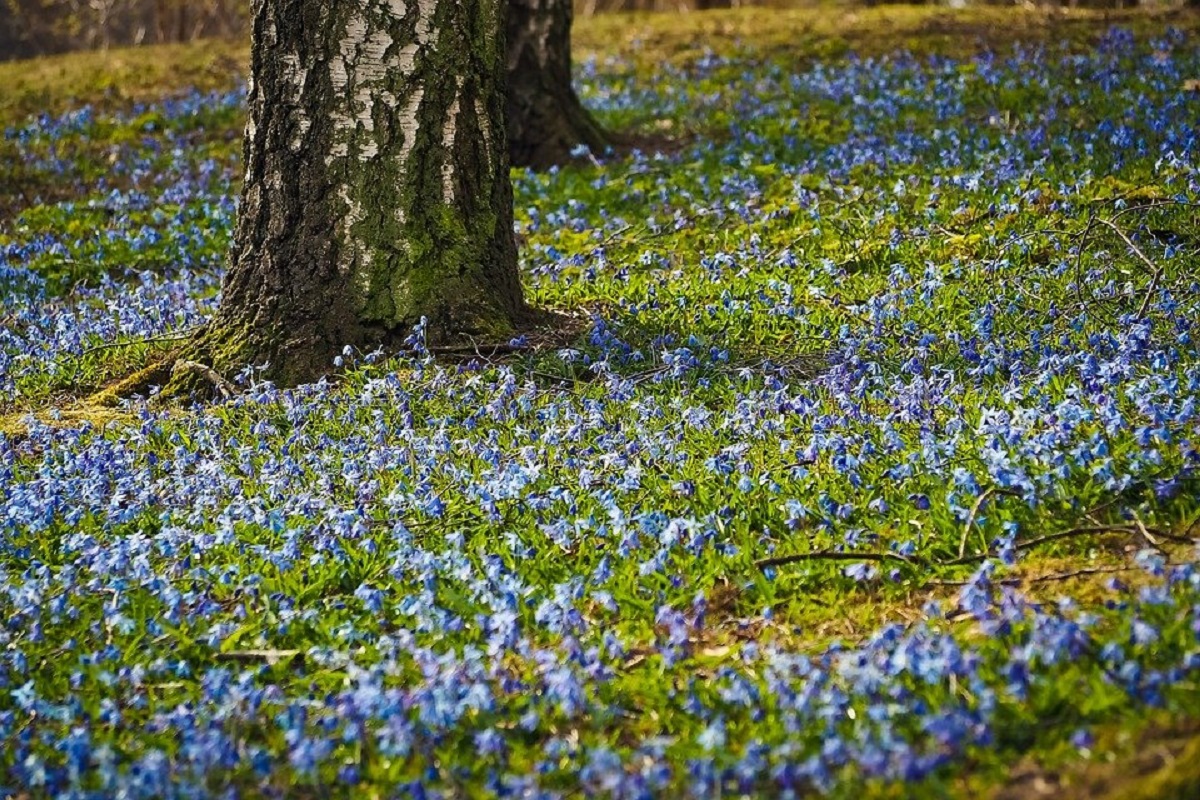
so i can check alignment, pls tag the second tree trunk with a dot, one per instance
(545, 119)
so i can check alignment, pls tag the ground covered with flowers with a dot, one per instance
(874, 472)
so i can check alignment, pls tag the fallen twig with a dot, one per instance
(835, 555)
(1146, 535)
(1079, 573)
(549, 376)
(269, 656)
(1052, 577)
(1079, 250)
(805, 462)
(842, 555)
(1187, 532)
(168, 337)
(480, 350)
(1083, 530)
(612, 237)
(645, 375)
(1155, 269)
(979, 501)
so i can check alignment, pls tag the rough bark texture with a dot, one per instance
(377, 187)
(545, 118)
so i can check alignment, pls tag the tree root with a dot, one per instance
(209, 374)
(140, 382)
(175, 375)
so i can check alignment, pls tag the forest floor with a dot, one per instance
(873, 473)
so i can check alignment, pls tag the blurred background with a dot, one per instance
(42, 27)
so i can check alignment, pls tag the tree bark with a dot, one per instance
(377, 188)
(545, 119)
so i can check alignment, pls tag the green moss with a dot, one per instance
(157, 373)
(99, 415)
(223, 346)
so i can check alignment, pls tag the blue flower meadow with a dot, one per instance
(879, 455)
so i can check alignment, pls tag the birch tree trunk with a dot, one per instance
(545, 118)
(377, 188)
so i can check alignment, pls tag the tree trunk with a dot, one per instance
(377, 188)
(545, 119)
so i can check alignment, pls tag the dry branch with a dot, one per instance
(1155, 269)
(835, 555)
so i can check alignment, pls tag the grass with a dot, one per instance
(896, 297)
(116, 78)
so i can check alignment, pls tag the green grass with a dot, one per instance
(116, 78)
